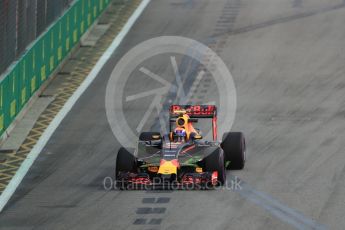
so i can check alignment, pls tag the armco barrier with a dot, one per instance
(41, 59)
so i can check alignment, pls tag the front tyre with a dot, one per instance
(215, 162)
(125, 162)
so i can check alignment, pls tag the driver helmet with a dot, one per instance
(180, 134)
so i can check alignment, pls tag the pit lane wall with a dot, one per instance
(35, 66)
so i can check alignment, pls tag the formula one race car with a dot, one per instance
(181, 158)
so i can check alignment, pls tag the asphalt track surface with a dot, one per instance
(287, 60)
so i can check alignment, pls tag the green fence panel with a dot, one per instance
(76, 15)
(89, 12)
(50, 55)
(84, 13)
(63, 27)
(23, 83)
(45, 55)
(2, 117)
(54, 47)
(34, 73)
(69, 34)
(94, 10)
(11, 109)
(6, 120)
(39, 62)
(30, 71)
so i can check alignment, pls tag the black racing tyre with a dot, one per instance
(234, 146)
(147, 136)
(125, 162)
(215, 162)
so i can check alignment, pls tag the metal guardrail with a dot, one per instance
(26, 75)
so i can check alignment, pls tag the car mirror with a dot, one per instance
(197, 137)
(156, 137)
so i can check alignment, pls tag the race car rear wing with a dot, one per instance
(195, 112)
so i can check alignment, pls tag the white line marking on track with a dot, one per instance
(24, 168)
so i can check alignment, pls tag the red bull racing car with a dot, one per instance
(181, 158)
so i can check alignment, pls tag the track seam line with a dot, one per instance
(277, 209)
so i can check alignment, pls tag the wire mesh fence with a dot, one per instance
(21, 22)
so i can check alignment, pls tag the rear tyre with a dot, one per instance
(234, 147)
(215, 162)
